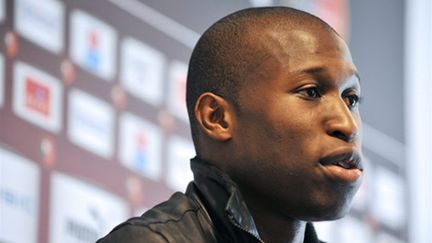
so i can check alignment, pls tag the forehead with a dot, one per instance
(297, 49)
(303, 44)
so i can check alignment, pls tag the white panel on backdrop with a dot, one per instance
(180, 151)
(388, 205)
(363, 195)
(2, 10)
(326, 230)
(386, 238)
(19, 198)
(177, 90)
(140, 146)
(37, 97)
(41, 22)
(2, 80)
(81, 212)
(142, 71)
(352, 230)
(91, 123)
(418, 118)
(93, 44)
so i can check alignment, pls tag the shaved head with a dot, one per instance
(273, 101)
(228, 55)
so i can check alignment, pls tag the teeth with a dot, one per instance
(343, 164)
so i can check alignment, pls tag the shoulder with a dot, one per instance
(126, 232)
(179, 219)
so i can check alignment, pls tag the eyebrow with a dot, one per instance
(314, 71)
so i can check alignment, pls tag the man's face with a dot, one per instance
(296, 131)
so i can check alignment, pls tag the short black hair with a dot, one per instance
(227, 52)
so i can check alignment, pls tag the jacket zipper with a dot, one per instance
(243, 229)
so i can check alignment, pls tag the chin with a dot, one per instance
(331, 211)
(327, 215)
(325, 210)
(332, 215)
(332, 207)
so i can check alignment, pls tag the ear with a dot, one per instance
(214, 115)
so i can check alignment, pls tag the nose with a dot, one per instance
(342, 122)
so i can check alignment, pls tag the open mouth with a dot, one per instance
(351, 164)
(343, 166)
(345, 159)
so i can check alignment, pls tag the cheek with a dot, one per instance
(282, 129)
(297, 131)
(288, 140)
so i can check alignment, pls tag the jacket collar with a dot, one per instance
(225, 203)
(223, 200)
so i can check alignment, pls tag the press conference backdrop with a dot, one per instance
(93, 119)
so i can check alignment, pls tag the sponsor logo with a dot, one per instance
(140, 146)
(84, 220)
(93, 44)
(81, 232)
(91, 123)
(140, 157)
(21, 202)
(180, 151)
(93, 53)
(142, 71)
(37, 97)
(19, 199)
(41, 22)
(177, 90)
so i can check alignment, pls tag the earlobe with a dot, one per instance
(214, 116)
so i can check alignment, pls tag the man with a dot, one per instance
(272, 97)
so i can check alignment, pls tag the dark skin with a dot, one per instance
(297, 117)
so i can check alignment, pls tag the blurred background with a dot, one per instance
(93, 124)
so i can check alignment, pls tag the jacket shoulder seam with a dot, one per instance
(152, 230)
(193, 210)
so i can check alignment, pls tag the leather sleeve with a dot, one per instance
(129, 233)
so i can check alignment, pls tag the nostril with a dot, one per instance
(342, 136)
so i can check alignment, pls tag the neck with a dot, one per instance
(275, 227)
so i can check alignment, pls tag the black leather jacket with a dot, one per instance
(211, 210)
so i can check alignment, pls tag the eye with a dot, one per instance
(352, 100)
(310, 92)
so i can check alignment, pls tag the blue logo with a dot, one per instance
(93, 55)
(140, 159)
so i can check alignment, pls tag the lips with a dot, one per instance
(343, 165)
(349, 159)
